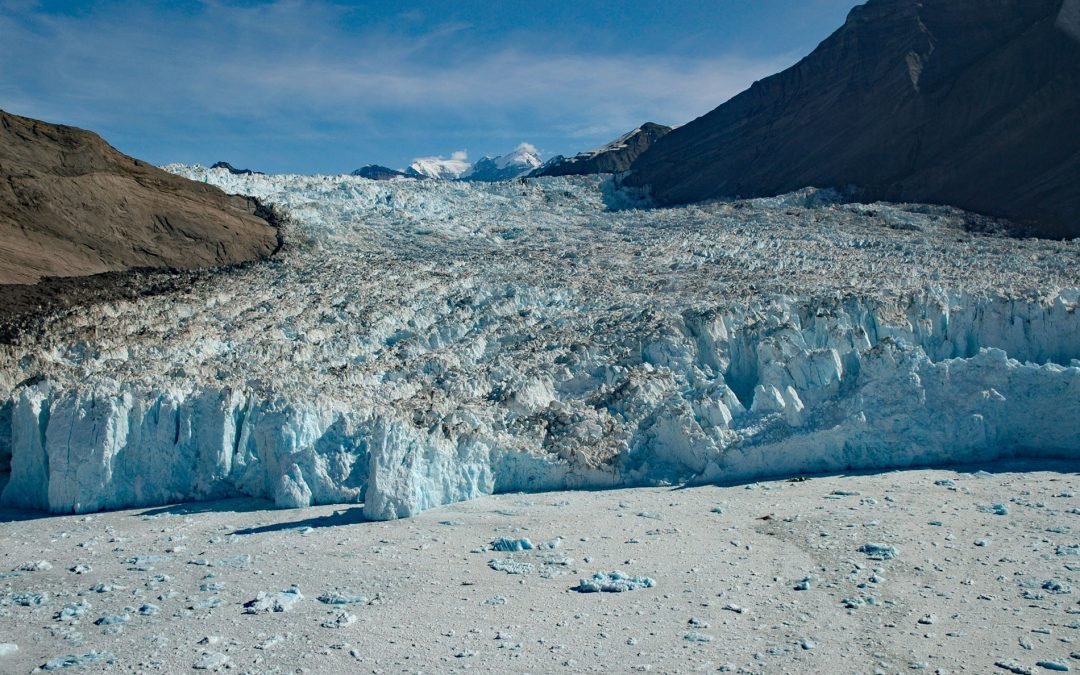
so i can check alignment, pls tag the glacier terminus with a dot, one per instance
(419, 343)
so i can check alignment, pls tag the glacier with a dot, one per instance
(421, 343)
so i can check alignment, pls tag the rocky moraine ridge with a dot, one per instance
(425, 342)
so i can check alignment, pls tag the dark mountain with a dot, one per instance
(376, 172)
(72, 205)
(615, 157)
(233, 170)
(973, 103)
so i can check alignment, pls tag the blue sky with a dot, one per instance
(291, 86)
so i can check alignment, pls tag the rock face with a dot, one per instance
(615, 157)
(376, 172)
(974, 104)
(72, 205)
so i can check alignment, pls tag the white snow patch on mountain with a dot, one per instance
(438, 167)
(421, 343)
(520, 162)
(524, 156)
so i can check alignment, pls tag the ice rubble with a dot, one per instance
(421, 343)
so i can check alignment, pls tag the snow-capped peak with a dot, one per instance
(524, 155)
(524, 159)
(438, 167)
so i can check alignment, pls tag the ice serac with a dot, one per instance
(791, 387)
(410, 471)
(110, 447)
(975, 104)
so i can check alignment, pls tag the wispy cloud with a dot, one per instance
(293, 70)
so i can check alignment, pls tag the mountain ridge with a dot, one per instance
(975, 105)
(613, 157)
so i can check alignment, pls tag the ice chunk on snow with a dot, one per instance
(74, 611)
(336, 598)
(511, 566)
(210, 661)
(30, 599)
(37, 566)
(996, 509)
(270, 642)
(507, 544)
(340, 620)
(878, 551)
(265, 602)
(613, 582)
(75, 660)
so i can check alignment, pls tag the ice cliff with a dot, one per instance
(423, 343)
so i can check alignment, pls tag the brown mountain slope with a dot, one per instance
(973, 103)
(72, 205)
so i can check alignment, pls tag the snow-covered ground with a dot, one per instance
(423, 343)
(912, 571)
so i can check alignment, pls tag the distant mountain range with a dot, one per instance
(974, 104)
(525, 160)
(519, 162)
(615, 157)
